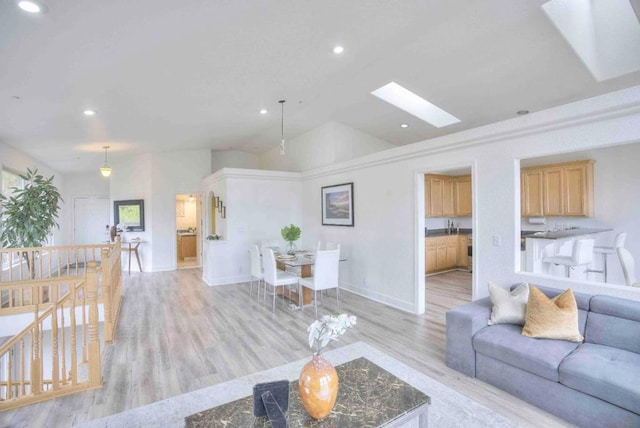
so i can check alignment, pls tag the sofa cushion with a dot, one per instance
(505, 343)
(604, 372)
(582, 300)
(508, 306)
(555, 318)
(614, 322)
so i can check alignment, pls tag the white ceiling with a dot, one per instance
(166, 74)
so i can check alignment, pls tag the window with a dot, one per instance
(10, 180)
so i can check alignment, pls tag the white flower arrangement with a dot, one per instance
(323, 331)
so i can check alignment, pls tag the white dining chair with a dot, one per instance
(322, 246)
(628, 266)
(581, 255)
(274, 277)
(257, 273)
(325, 275)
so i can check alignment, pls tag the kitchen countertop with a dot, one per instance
(432, 233)
(186, 233)
(564, 234)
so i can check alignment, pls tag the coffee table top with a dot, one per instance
(368, 396)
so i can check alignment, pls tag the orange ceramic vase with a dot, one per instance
(318, 387)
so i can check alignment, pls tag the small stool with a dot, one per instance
(618, 242)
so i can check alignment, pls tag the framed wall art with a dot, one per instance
(337, 205)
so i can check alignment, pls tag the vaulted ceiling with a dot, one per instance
(165, 74)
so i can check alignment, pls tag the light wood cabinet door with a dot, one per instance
(188, 246)
(434, 188)
(463, 260)
(441, 253)
(430, 256)
(447, 198)
(553, 191)
(452, 252)
(462, 195)
(578, 181)
(531, 193)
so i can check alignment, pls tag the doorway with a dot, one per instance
(188, 231)
(448, 237)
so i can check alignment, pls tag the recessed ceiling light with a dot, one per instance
(338, 50)
(89, 112)
(404, 125)
(416, 105)
(31, 6)
(264, 111)
(522, 112)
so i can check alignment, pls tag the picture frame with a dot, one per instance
(337, 205)
(224, 212)
(129, 214)
(217, 201)
(220, 205)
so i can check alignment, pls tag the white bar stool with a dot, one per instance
(581, 255)
(618, 242)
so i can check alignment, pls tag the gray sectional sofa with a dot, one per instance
(592, 384)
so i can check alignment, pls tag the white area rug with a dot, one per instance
(448, 407)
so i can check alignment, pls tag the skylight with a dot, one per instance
(414, 104)
(605, 34)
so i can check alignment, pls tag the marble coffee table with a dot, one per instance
(369, 396)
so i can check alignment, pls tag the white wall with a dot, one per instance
(258, 204)
(158, 178)
(322, 146)
(233, 159)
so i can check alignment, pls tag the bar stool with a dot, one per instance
(581, 254)
(618, 242)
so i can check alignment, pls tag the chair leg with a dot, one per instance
(273, 307)
(338, 298)
(315, 301)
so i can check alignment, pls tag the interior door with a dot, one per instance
(90, 219)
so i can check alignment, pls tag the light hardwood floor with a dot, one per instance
(177, 335)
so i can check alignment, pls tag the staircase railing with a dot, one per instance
(59, 352)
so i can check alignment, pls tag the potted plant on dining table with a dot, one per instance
(291, 234)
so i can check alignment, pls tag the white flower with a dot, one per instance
(321, 332)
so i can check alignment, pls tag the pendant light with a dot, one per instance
(282, 128)
(105, 169)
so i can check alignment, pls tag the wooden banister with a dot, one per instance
(42, 361)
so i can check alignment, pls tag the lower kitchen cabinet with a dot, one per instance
(445, 252)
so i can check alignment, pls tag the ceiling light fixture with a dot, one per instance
(338, 50)
(105, 169)
(31, 6)
(404, 125)
(416, 105)
(264, 111)
(89, 112)
(282, 128)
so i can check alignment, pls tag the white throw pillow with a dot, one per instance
(508, 307)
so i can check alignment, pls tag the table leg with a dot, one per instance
(137, 258)
(129, 259)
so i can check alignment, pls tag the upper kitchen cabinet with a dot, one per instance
(531, 191)
(438, 196)
(558, 190)
(447, 196)
(462, 192)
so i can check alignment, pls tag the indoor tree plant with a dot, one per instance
(291, 234)
(29, 215)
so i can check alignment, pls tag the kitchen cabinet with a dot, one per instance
(463, 258)
(462, 196)
(558, 190)
(186, 246)
(447, 196)
(531, 193)
(445, 252)
(438, 195)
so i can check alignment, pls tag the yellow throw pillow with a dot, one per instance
(555, 318)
